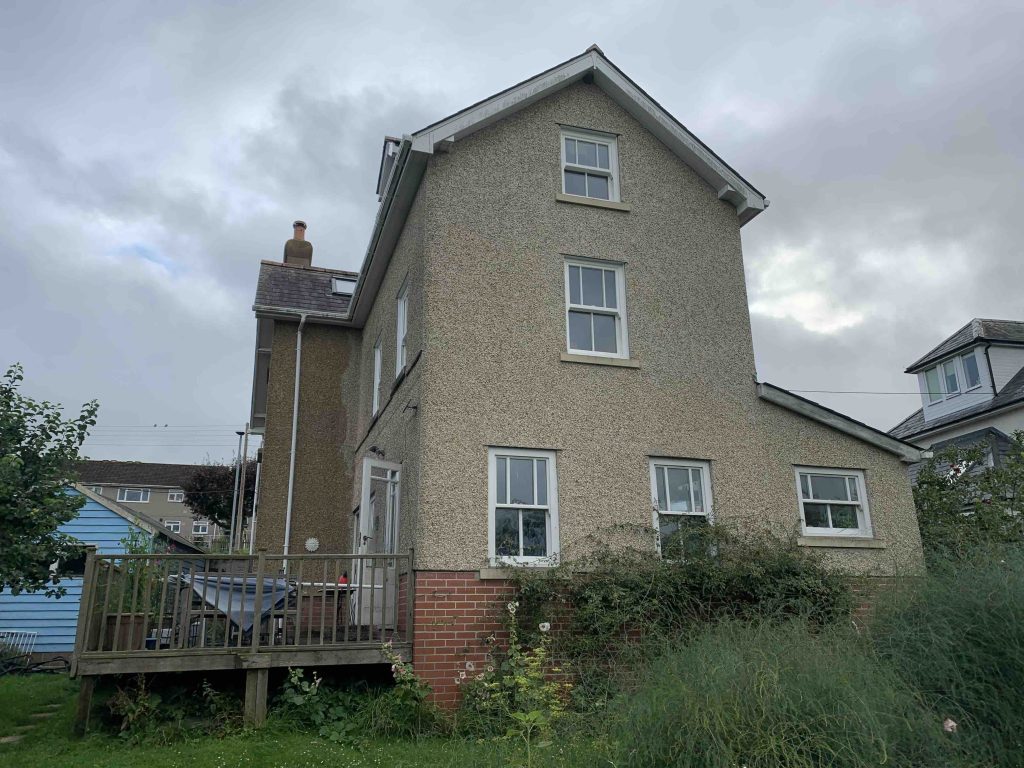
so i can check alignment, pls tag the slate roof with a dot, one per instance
(1011, 393)
(293, 288)
(978, 330)
(134, 473)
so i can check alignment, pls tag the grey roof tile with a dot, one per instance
(134, 473)
(304, 289)
(979, 329)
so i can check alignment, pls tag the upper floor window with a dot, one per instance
(523, 493)
(97, 489)
(590, 164)
(951, 377)
(681, 497)
(140, 495)
(377, 359)
(401, 327)
(833, 502)
(595, 308)
(176, 496)
(174, 526)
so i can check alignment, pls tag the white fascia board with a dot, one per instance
(728, 185)
(907, 453)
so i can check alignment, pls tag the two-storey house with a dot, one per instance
(972, 389)
(548, 341)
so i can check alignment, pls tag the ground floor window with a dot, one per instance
(833, 502)
(523, 505)
(174, 526)
(681, 498)
(200, 528)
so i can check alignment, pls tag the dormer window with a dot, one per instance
(343, 286)
(590, 164)
(952, 377)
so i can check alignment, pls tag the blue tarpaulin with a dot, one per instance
(235, 596)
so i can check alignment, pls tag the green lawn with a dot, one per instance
(50, 744)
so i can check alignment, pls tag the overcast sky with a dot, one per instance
(152, 153)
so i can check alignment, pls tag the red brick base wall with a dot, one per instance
(455, 615)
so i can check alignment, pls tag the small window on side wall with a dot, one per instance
(595, 305)
(833, 502)
(523, 514)
(401, 327)
(681, 498)
(590, 164)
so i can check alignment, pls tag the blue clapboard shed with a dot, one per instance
(100, 522)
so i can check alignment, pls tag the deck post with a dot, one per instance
(255, 713)
(85, 607)
(86, 686)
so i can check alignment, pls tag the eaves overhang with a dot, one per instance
(907, 452)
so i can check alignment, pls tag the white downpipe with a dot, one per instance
(295, 433)
(255, 509)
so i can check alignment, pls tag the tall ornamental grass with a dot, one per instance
(958, 637)
(765, 695)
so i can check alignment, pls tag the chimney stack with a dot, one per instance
(298, 250)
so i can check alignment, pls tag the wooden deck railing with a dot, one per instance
(193, 604)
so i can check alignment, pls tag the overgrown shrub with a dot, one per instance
(763, 695)
(964, 505)
(958, 637)
(616, 605)
(350, 714)
(142, 713)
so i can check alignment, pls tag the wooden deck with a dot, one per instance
(196, 613)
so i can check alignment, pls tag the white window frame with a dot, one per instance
(611, 172)
(939, 393)
(205, 526)
(963, 368)
(97, 489)
(377, 373)
(401, 327)
(705, 480)
(619, 313)
(174, 526)
(945, 377)
(492, 504)
(176, 497)
(864, 530)
(122, 494)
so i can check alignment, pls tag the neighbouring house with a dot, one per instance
(104, 524)
(972, 390)
(153, 489)
(548, 339)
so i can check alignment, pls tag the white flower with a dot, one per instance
(949, 725)
(490, 668)
(545, 626)
(458, 681)
(512, 607)
(470, 666)
(462, 675)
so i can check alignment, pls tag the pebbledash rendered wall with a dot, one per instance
(495, 240)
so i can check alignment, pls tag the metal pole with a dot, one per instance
(236, 536)
(234, 498)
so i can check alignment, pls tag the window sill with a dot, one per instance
(841, 542)
(496, 573)
(592, 201)
(615, 362)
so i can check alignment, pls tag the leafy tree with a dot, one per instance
(210, 491)
(38, 452)
(962, 504)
